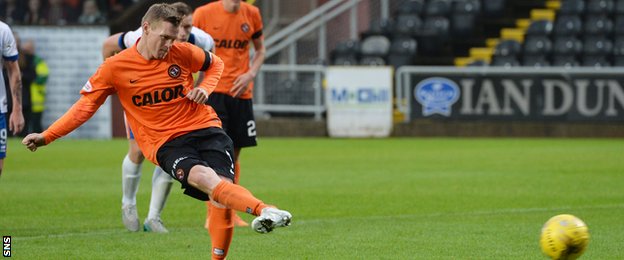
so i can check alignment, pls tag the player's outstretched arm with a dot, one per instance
(79, 113)
(32, 141)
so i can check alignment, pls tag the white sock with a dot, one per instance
(161, 186)
(130, 178)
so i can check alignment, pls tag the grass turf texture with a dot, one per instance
(351, 199)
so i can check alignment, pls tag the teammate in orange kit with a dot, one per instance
(233, 24)
(172, 124)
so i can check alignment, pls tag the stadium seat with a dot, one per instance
(572, 7)
(535, 61)
(619, 7)
(379, 27)
(464, 17)
(618, 51)
(540, 27)
(346, 52)
(505, 61)
(598, 25)
(618, 46)
(477, 63)
(603, 7)
(565, 61)
(597, 46)
(438, 8)
(494, 8)
(568, 25)
(345, 61)
(567, 45)
(411, 7)
(537, 45)
(375, 46)
(595, 61)
(434, 34)
(402, 52)
(372, 61)
(619, 25)
(407, 25)
(508, 48)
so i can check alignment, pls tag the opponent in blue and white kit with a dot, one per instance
(8, 47)
(131, 166)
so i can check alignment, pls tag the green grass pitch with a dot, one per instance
(412, 198)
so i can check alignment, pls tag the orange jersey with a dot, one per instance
(232, 33)
(152, 93)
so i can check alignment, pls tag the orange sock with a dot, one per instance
(237, 197)
(221, 230)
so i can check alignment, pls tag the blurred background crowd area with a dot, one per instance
(61, 12)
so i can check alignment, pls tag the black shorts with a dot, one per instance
(237, 118)
(209, 147)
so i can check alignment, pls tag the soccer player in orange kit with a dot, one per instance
(233, 24)
(172, 125)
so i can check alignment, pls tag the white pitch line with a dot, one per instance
(406, 216)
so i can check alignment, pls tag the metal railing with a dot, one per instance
(292, 89)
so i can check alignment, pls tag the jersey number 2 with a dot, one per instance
(251, 128)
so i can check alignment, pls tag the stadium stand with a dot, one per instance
(501, 33)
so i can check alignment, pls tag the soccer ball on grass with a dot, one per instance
(564, 237)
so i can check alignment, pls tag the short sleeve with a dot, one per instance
(257, 20)
(131, 37)
(202, 39)
(200, 60)
(9, 47)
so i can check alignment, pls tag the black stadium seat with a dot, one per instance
(619, 7)
(435, 33)
(567, 45)
(603, 7)
(402, 52)
(379, 27)
(372, 61)
(619, 25)
(565, 61)
(618, 52)
(505, 61)
(411, 7)
(535, 61)
(537, 45)
(597, 46)
(595, 61)
(407, 25)
(346, 53)
(540, 27)
(568, 25)
(572, 7)
(493, 8)
(598, 25)
(508, 48)
(464, 17)
(438, 8)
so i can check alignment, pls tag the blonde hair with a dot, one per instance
(161, 12)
